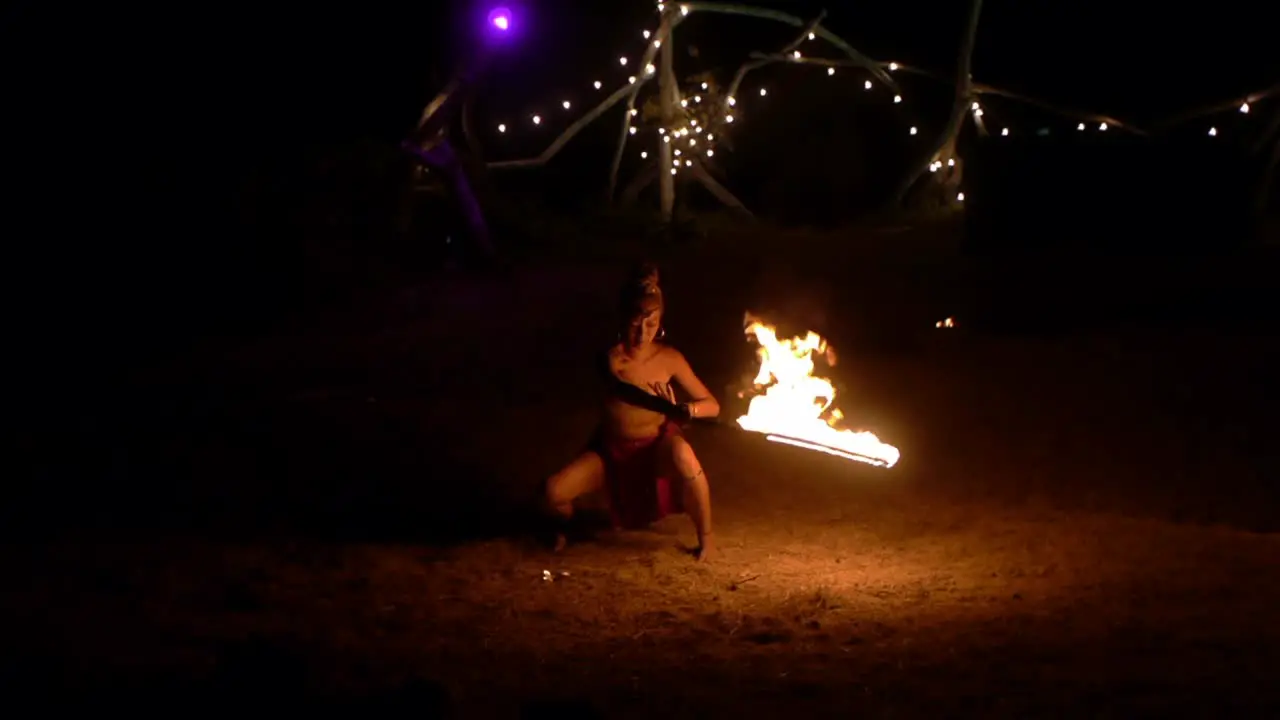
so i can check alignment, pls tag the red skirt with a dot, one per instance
(639, 494)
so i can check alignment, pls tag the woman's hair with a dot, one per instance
(641, 294)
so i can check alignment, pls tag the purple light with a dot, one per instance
(500, 19)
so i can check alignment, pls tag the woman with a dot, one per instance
(638, 455)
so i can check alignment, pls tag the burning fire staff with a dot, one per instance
(639, 457)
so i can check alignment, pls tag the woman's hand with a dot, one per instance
(680, 412)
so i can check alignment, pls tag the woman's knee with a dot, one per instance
(683, 458)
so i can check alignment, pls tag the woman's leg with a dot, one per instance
(680, 459)
(582, 476)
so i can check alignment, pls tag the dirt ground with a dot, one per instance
(1081, 523)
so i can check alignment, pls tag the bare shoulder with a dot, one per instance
(672, 358)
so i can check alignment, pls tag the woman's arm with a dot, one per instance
(703, 403)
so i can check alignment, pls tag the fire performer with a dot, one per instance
(639, 456)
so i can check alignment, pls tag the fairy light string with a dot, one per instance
(706, 111)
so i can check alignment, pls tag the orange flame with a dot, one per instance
(797, 407)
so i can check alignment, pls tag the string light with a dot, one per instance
(598, 84)
(622, 61)
(831, 71)
(812, 36)
(1244, 108)
(866, 85)
(959, 197)
(1213, 131)
(897, 98)
(732, 101)
(893, 66)
(650, 69)
(1080, 126)
(647, 34)
(632, 79)
(795, 54)
(565, 104)
(537, 120)
(643, 155)
(634, 112)
(502, 128)
(1103, 126)
(711, 153)
(684, 9)
(632, 129)
(763, 92)
(913, 129)
(728, 118)
(1004, 132)
(704, 86)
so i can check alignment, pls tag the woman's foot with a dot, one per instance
(706, 549)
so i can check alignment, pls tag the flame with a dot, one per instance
(796, 407)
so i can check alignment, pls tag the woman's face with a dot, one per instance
(643, 329)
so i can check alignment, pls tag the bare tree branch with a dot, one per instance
(786, 19)
(625, 132)
(963, 98)
(720, 192)
(629, 90)
(1251, 98)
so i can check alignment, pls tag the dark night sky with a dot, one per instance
(270, 65)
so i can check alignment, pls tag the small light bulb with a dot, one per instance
(974, 106)
(684, 103)
(643, 155)
(565, 104)
(632, 79)
(662, 131)
(1080, 126)
(537, 120)
(666, 138)
(657, 43)
(684, 9)
(673, 171)
(1103, 126)
(831, 71)
(704, 86)
(960, 197)
(1244, 108)
(693, 142)
(650, 69)
(795, 54)
(977, 113)
(933, 167)
(1213, 131)
(622, 61)
(502, 128)
(694, 122)
(688, 163)
(732, 101)
(697, 98)
(812, 36)
(711, 153)
(763, 92)
(675, 163)
(634, 112)
(1004, 132)
(598, 84)
(728, 118)
(913, 129)
(893, 66)
(951, 162)
(677, 152)
(866, 85)
(632, 129)
(897, 98)
(647, 34)
(710, 137)
(698, 129)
